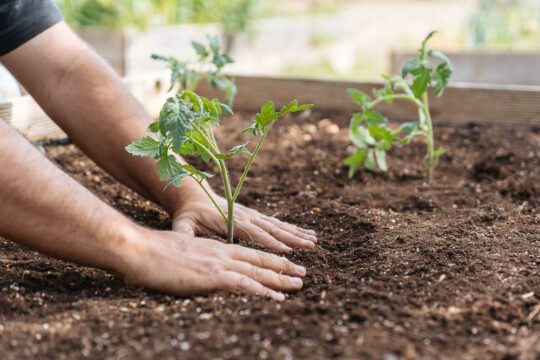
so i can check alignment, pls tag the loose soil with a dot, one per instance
(402, 269)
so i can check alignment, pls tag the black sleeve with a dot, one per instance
(21, 20)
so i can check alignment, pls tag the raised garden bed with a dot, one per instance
(402, 269)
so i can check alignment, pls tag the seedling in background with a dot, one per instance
(369, 131)
(185, 127)
(211, 62)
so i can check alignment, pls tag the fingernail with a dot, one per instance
(300, 270)
(297, 281)
(312, 232)
(278, 296)
(285, 248)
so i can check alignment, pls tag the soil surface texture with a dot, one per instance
(402, 269)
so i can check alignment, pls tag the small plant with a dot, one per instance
(211, 63)
(185, 127)
(369, 131)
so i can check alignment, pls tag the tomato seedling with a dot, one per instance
(185, 127)
(211, 62)
(369, 130)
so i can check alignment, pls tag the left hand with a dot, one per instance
(199, 217)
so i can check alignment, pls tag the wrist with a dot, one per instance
(124, 243)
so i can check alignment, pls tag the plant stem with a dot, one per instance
(430, 140)
(212, 199)
(248, 165)
(230, 200)
(395, 97)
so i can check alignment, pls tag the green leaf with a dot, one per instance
(154, 127)
(214, 43)
(380, 158)
(374, 118)
(197, 174)
(422, 79)
(239, 149)
(409, 66)
(441, 78)
(382, 134)
(145, 146)
(370, 162)
(200, 49)
(221, 60)
(266, 114)
(175, 120)
(355, 161)
(170, 169)
(422, 51)
(409, 127)
(359, 97)
(293, 107)
(361, 137)
(439, 152)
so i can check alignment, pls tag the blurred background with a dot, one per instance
(490, 41)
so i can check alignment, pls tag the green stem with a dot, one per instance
(212, 199)
(396, 97)
(230, 200)
(430, 141)
(248, 165)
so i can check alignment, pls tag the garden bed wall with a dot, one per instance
(461, 104)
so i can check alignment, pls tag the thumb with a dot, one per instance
(185, 226)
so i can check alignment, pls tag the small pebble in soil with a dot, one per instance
(184, 346)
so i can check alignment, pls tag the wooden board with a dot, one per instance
(486, 67)
(461, 104)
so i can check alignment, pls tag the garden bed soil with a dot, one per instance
(403, 269)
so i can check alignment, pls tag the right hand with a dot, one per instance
(173, 263)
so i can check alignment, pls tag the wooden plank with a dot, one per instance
(461, 103)
(486, 67)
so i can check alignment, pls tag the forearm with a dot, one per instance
(87, 99)
(46, 210)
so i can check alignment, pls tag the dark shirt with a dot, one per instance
(21, 20)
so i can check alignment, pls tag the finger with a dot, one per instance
(283, 235)
(265, 260)
(250, 232)
(296, 230)
(236, 282)
(268, 278)
(184, 225)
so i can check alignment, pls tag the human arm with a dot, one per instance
(44, 209)
(87, 99)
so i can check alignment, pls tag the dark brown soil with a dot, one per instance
(402, 270)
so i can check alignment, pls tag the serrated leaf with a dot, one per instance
(145, 146)
(170, 169)
(409, 66)
(382, 134)
(213, 41)
(380, 159)
(439, 152)
(422, 79)
(197, 174)
(266, 115)
(374, 118)
(239, 149)
(441, 77)
(359, 97)
(200, 49)
(175, 121)
(154, 127)
(370, 162)
(355, 162)
(361, 137)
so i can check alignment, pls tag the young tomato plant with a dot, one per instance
(185, 127)
(211, 62)
(369, 131)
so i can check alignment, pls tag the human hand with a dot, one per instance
(198, 216)
(174, 263)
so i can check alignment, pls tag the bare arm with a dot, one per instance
(87, 99)
(44, 209)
